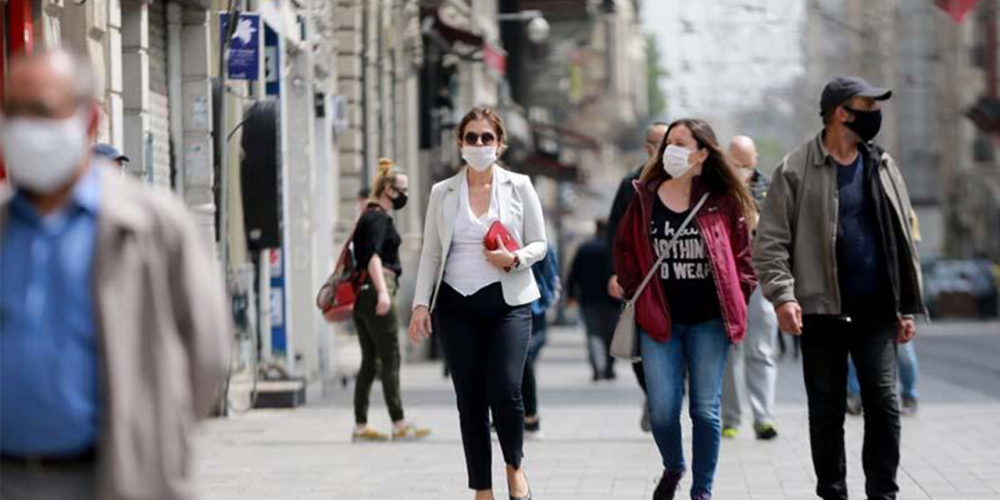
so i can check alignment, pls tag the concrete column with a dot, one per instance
(194, 153)
(326, 192)
(298, 180)
(135, 81)
(350, 143)
(114, 104)
(323, 197)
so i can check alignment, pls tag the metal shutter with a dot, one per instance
(159, 108)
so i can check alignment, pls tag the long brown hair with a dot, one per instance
(718, 173)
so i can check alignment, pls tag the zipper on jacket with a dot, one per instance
(835, 282)
(715, 277)
(908, 249)
(879, 189)
(649, 244)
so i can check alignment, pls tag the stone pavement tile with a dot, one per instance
(592, 448)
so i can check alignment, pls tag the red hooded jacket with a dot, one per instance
(727, 240)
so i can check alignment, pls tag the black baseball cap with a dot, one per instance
(109, 152)
(843, 88)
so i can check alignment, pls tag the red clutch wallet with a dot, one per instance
(498, 230)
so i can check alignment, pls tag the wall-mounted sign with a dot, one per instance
(244, 46)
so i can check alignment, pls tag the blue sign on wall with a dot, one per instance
(244, 47)
(272, 61)
(279, 341)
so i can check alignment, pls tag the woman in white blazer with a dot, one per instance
(481, 299)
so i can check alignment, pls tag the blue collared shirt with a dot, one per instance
(49, 402)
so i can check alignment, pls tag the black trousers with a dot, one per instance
(485, 342)
(600, 320)
(379, 339)
(826, 343)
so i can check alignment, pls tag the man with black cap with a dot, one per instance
(835, 254)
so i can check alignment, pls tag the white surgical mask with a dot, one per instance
(42, 154)
(479, 158)
(676, 161)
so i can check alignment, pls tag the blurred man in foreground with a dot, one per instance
(113, 325)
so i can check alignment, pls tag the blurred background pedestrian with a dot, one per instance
(587, 287)
(546, 273)
(752, 367)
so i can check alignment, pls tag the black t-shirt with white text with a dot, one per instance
(686, 273)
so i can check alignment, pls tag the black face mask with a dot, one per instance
(866, 123)
(399, 201)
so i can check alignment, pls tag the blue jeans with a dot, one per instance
(907, 372)
(701, 349)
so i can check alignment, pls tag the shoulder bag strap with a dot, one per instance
(666, 251)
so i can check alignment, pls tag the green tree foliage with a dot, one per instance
(654, 75)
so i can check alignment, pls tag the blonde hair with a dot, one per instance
(386, 176)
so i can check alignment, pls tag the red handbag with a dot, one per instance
(498, 230)
(338, 294)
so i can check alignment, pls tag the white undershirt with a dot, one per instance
(467, 270)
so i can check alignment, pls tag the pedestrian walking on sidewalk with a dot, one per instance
(114, 326)
(376, 249)
(546, 273)
(836, 256)
(753, 364)
(695, 308)
(480, 293)
(588, 286)
(655, 133)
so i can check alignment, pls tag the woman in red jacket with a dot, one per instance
(695, 307)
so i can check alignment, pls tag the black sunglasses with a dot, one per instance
(472, 138)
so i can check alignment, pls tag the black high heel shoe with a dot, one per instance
(512, 497)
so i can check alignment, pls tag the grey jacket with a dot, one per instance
(163, 339)
(520, 212)
(795, 251)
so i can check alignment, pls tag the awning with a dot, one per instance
(957, 9)
(194, 4)
(451, 34)
(545, 166)
(986, 115)
(567, 137)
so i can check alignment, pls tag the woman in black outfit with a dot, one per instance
(376, 247)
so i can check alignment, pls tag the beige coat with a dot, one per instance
(520, 212)
(164, 333)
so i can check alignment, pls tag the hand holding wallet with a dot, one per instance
(498, 230)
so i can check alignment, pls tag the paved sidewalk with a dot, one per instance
(593, 448)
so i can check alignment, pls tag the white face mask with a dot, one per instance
(42, 154)
(479, 158)
(676, 161)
